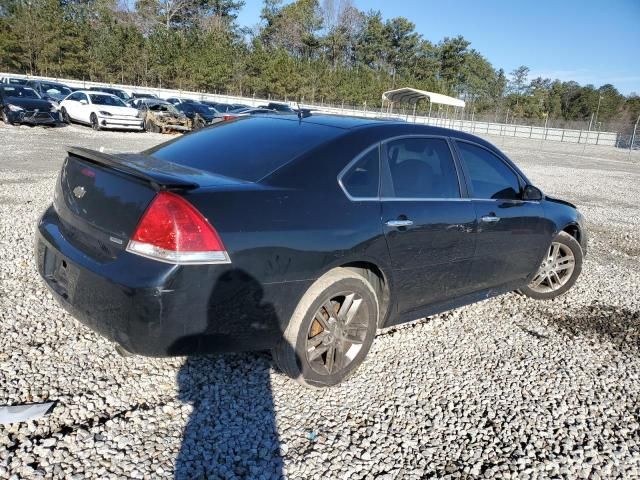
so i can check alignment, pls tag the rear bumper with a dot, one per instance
(156, 309)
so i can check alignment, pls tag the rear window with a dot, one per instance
(247, 149)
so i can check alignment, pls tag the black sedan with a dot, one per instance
(302, 236)
(23, 105)
(200, 114)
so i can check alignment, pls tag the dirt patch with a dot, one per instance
(608, 323)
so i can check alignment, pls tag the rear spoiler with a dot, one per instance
(159, 180)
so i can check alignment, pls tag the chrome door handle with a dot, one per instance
(399, 223)
(490, 219)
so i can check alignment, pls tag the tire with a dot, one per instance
(293, 354)
(94, 122)
(550, 285)
(5, 118)
(149, 126)
(198, 123)
(65, 116)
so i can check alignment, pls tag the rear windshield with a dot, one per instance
(247, 149)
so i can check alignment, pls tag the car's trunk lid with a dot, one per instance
(100, 198)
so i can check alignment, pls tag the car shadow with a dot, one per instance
(619, 326)
(231, 431)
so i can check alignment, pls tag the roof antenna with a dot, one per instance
(300, 114)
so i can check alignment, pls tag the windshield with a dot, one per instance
(55, 89)
(109, 100)
(19, 92)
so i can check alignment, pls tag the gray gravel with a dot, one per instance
(506, 388)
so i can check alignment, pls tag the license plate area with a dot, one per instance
(60, 274)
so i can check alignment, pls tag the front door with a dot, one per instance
(428, 225)
(512, 234)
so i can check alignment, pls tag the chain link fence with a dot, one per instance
(500, 122)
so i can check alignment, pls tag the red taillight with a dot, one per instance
(228, 117)
(172, 230)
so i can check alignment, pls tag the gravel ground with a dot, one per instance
(509, 387)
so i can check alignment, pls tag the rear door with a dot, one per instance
(427, 219)
(83, 109)
(71, 105)
(512, 234)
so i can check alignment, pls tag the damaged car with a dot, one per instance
(161, 116)
(201, 115)
(23, 105)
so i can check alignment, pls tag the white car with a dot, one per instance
(100, 110)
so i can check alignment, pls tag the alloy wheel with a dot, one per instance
(556, 269)
(336, 333)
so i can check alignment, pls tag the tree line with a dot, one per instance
(308, 50)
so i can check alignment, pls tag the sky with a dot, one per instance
(588, 41)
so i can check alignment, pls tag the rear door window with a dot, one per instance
(490, 177)
(422, 168)
(247, 148)
(363, 177)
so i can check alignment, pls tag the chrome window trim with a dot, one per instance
(380, 198)
(426, 199)
(355, 160)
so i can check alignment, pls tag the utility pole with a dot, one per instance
(598, 109)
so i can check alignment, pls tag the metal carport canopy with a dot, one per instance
(412, 95)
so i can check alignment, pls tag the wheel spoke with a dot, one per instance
(537, 280)
(320, 319)
(346, 305)
(356, 338)
(317, 352)
(566, 265)
(557, 277)
(340, 357)
(317, 340)
(353, 310)
(328, 306)
(331, 357)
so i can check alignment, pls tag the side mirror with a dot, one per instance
(83, 102)
(532, 193)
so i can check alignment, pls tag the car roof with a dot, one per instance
(338, 121)
(96, 92)
(50, 82)
(393, 126)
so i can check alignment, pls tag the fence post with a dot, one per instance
(633, 136)
(546, 130)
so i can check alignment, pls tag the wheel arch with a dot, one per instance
(379, 280)
(573, 229)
